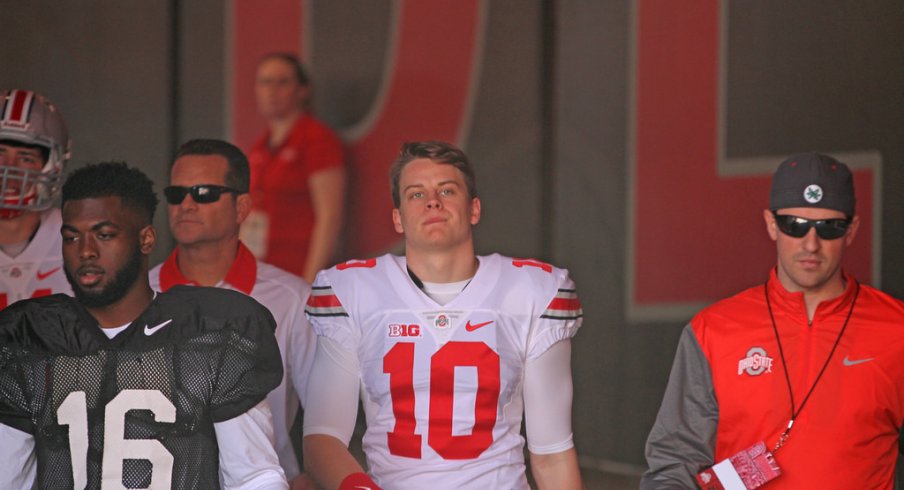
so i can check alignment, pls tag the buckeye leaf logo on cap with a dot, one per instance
(813, 194)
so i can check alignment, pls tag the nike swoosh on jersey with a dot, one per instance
(45, 275)
(854, 362)
(153, 330)
(471, 327)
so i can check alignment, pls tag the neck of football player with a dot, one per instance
(207, 263)
(281, 127)
(445, 266)
(129, 307)
(830, 289)
(19, 229)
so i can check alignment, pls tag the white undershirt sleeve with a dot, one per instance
(296, 343)
(547, 400)
(303, 343)
(332, 397)
(18, 458)
(247, 458)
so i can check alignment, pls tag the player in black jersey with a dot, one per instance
(122, 388)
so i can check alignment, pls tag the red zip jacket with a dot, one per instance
(728, 390)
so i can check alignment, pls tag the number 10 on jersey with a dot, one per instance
(399, 364)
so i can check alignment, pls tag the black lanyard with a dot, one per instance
(420, 284)
(795, 413)
(417, 280)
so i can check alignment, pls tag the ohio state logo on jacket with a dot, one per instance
(756, 362)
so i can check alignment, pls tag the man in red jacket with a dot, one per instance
(808, 364)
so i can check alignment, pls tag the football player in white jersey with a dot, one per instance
(450, 351)
(34, 147)
(207, 202)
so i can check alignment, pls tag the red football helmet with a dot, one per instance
(28, 118)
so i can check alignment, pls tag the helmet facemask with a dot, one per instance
(23, 190)
(28, 119)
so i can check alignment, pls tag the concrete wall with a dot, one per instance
(107, 66)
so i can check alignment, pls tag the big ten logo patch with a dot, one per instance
(403, 330)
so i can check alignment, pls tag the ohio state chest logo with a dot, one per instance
(756, 362)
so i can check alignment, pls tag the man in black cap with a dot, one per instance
(796, 383)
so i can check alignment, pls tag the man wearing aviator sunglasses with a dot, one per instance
(810, 350)
(208, 201)
(201, 193)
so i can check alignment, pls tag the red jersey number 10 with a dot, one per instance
(399, 364)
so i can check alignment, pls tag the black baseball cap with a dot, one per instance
(813, 180)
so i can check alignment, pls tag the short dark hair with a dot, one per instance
(301, 75)
(239, 174)
(437, 151)
(113, 179)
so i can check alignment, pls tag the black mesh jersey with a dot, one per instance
(136, 410)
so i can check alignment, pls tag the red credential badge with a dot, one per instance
(750, 468)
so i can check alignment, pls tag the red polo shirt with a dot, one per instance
(242, 274)
(279, 187)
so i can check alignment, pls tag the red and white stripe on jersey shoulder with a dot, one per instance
(564, 306)
(323, 302)
(16, 109)
(357, 264)
(519, 263)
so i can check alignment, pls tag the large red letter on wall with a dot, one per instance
(426, 91)
(697, 231)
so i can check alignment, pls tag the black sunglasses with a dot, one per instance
(201, 194)
(797, 227)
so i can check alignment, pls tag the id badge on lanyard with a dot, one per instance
(748, 469)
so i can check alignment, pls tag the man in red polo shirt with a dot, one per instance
(207, 202)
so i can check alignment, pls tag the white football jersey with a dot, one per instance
(38, 270)
(285, 295)
(442, 384)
